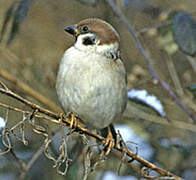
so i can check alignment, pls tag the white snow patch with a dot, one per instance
(112, 176)
(148, 99)
(2, 123)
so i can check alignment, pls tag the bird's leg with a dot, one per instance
(109, 142)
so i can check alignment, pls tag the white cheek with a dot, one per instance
(105, 50)
(78, 43)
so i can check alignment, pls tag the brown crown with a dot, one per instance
(106, 33)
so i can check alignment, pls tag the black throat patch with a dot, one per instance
(88, 41)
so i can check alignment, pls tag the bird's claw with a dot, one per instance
(109, 142)
(74, 121)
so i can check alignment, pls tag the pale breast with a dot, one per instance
(92, 86)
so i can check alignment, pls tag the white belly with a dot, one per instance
(92, 87)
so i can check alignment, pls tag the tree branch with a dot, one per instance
(65, 121)
(7, 76)
(148, 61)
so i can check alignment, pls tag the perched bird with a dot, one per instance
(91, 80)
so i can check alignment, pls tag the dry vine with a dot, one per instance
(63, 120)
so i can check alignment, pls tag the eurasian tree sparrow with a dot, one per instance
(91, 80)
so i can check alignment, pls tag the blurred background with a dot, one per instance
(32, 44)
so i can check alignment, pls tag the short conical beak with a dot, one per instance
(72, 30)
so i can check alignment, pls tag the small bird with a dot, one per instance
(91, 80)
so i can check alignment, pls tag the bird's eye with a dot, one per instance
(85, 29)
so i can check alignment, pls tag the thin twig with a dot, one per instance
(163, 24)
(30, 104)
(154, 74)
(35, 157)
(59, 119)
(174, 76)
(192, 62)
(4, 74)
(132, 111)
(20, 162)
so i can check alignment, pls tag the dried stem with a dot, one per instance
(64, 121)
(174, 76)
(28, 103)
(153, 72)
(192, 62)
(4, 74)
(163, 24)
(35, 157)
(20, 162)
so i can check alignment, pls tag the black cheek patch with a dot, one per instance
(88, 41)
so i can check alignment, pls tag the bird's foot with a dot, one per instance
(62, 117)
(73, 119)
(109, 142)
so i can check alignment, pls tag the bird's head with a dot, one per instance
(97, 36)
